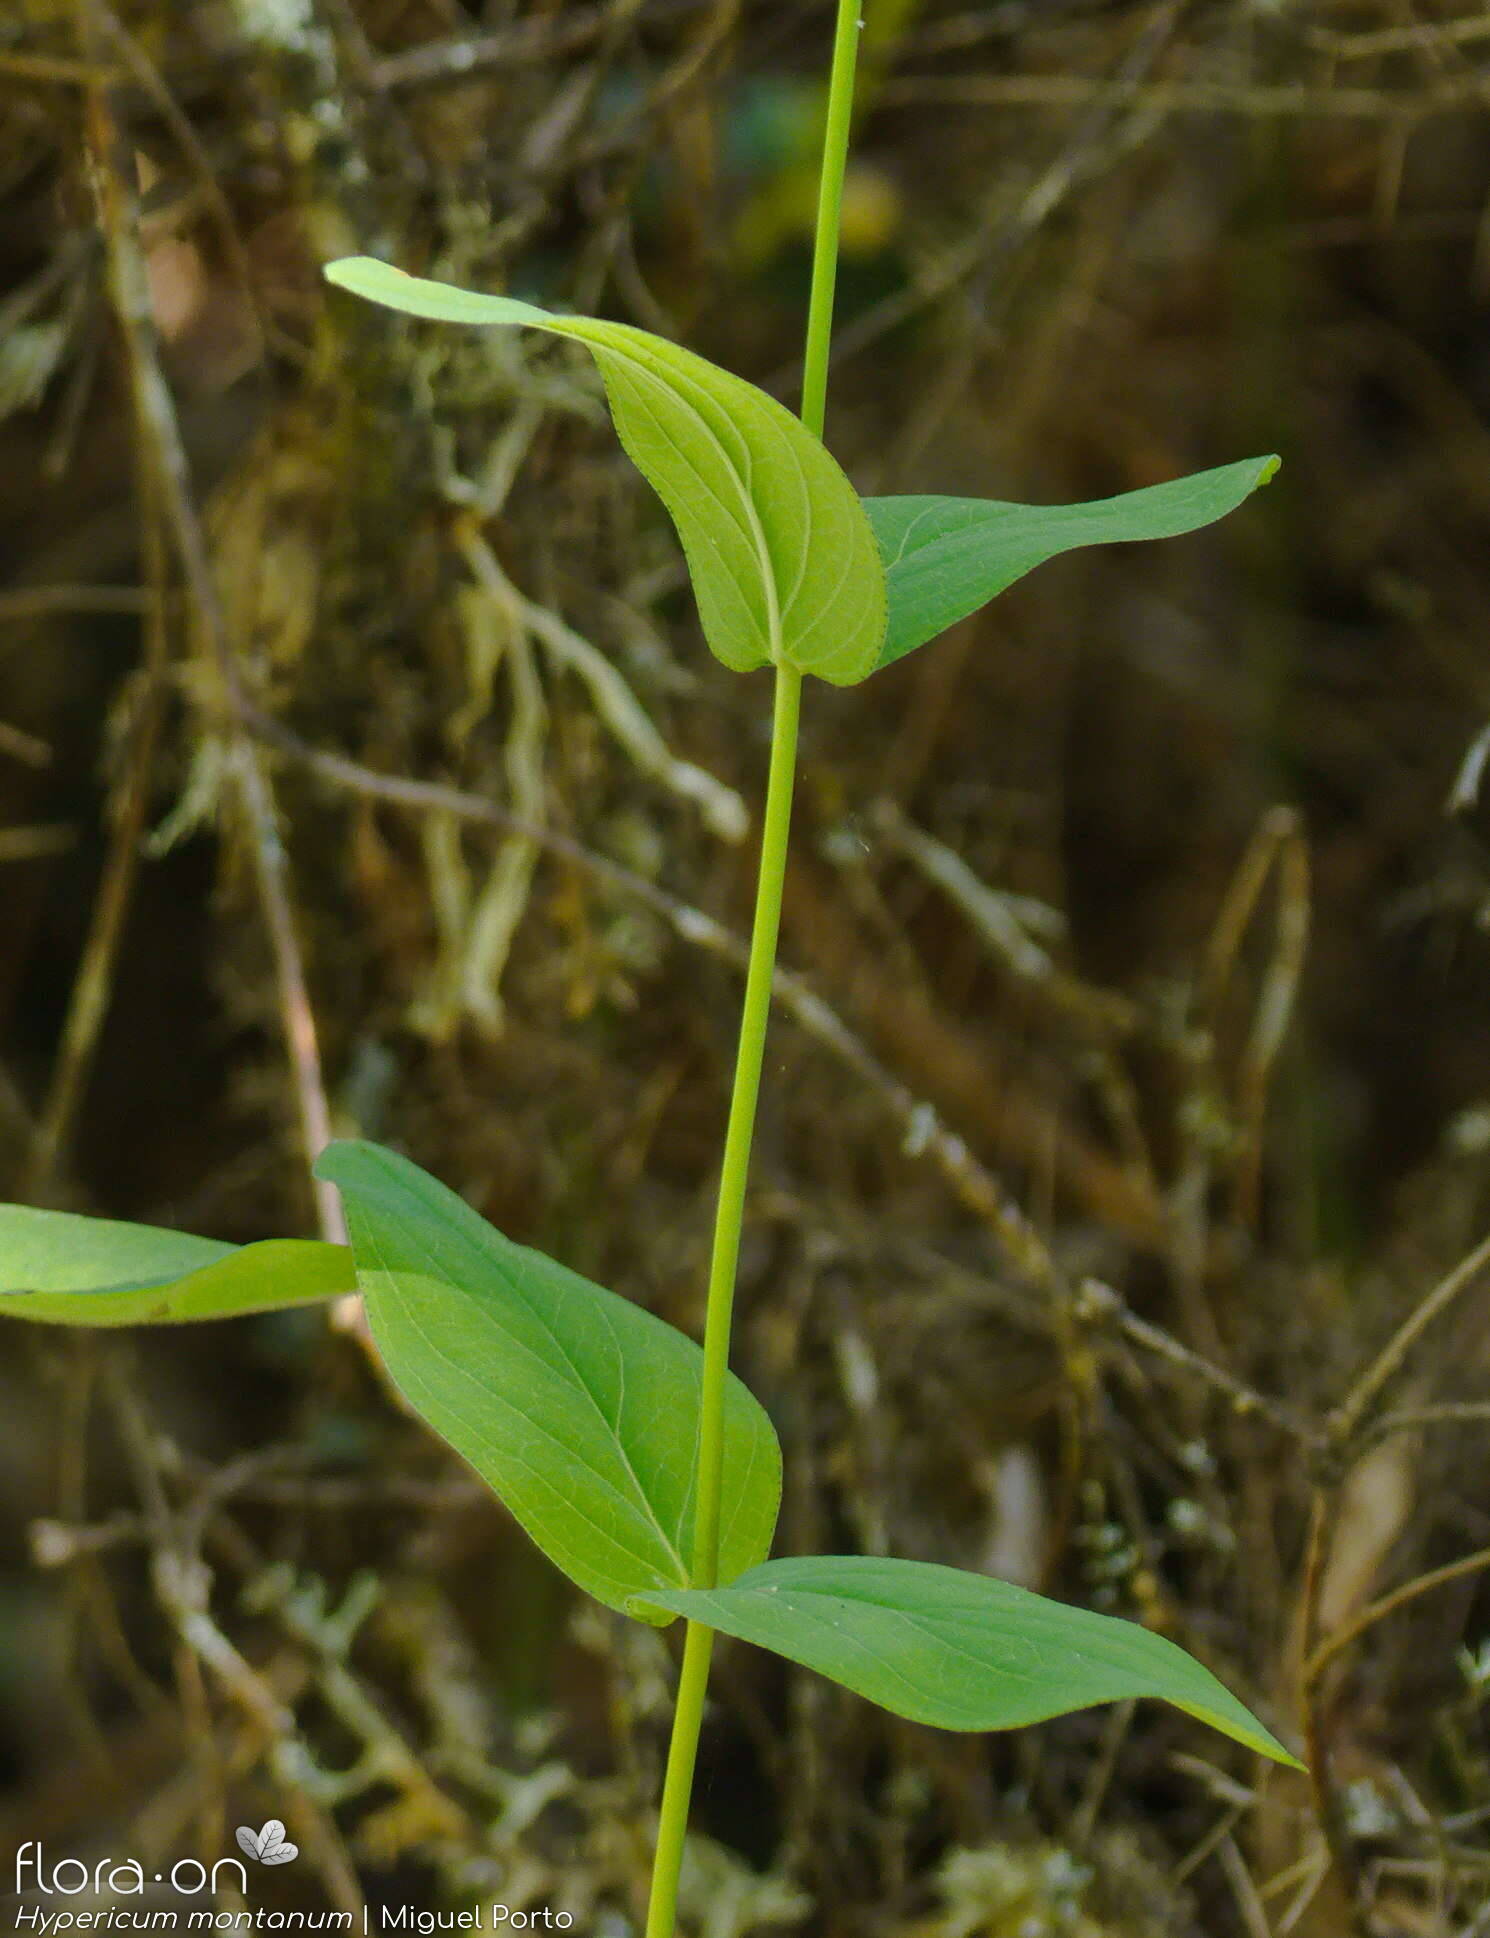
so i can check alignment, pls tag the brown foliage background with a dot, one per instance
(1126, 1130)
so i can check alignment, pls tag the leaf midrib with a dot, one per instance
(418, 1243)
(756, 529)
(944, 1630)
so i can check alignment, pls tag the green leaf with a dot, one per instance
(946, 557)
(578, 1408)
(70, 1271)
(784, 565)
(959, 1651)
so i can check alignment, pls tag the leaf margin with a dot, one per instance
(730, 1610)
(1171, 519)
(190, 1282)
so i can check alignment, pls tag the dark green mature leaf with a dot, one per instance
(578, 1408)
(784, 565)
(71, 1271)
(946, 557)
(959, 1651)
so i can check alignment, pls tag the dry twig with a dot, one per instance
(165, 458)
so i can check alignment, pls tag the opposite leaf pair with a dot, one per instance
(790, 567)
(579, 1409)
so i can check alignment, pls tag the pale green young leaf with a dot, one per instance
(784, 565)
(67, 1270)
(578, 1408)
(946, 557)
(956, 1650)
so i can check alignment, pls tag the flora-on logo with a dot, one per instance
(67, 1877)
(268, 1845)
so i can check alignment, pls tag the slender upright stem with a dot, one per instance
(693, 1677)
(836, 127)
(729, 1215)
(677, 1786)
(755, 1013)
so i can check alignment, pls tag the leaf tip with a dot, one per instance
(1244, 1728)
(1270, 1746)
(352, 272)
(330, 1163)
(1269, 471)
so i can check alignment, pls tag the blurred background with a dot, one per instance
(1109, 1200)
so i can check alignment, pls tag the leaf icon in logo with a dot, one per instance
(267, 1846)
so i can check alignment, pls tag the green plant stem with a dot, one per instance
(837, 124)
(677, 1787)
(755, 1015)
(688, 1716)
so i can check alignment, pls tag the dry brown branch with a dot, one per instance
(89, 1001)
(91, 988)
(1350, 1432)
(1329, 1804)
(147, 75)
(182, 1581)
(1006, 928)
(1334, 1644)
(1353, 1411)
(1447, 1413)
(1421, 36)
(1251, 100)
(1110, 124)
(614, 703)
(1278, 848)
(525, 42)
(165, 456)
(1098, 1305)
(922, 1129)
(57, 67)
(35, 601)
